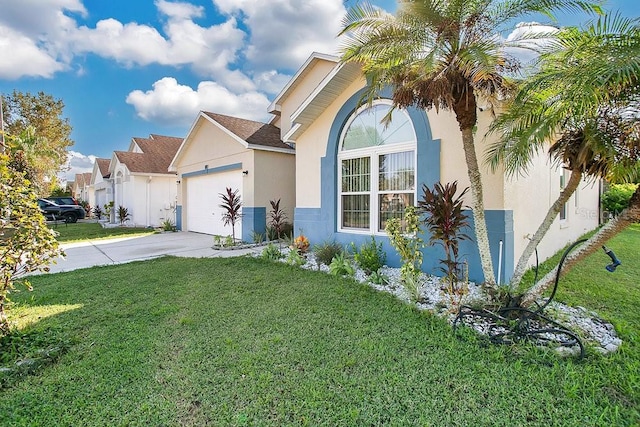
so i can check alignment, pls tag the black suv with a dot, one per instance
(53, 211)
(63, 200)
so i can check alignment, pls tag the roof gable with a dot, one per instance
(156, 154)
(253, 133)
(103, 167)
(250, 134)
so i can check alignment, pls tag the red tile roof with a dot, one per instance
(157, 153)
(252, 132)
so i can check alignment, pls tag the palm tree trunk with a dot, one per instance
(628, 216)
(477, 205)
(552, 213)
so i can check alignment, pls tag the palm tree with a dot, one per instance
(586, 91)
(443, 54)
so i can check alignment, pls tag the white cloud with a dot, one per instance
(55, 35)
(179, 10)
(285, 32)
(76, 163)
(172, 103)
(27, 59)
(271, 82)
(527, 39)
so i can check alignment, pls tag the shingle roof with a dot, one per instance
(103, 167)
(252, 132)
(83, 179)
(157, 153)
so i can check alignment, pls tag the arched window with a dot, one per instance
(377, 169)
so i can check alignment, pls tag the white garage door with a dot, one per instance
(203, 199)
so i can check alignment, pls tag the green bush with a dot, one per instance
(341, 266)
(271, 252)
(616, 199)
(370, 257)
(295, 259)
(408, 244)
(326, 251)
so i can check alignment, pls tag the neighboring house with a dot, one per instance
(353, 173)
(101, 186)
(141, 181)
(80, 188)
(222, 152)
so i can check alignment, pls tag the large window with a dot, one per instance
(377, 167)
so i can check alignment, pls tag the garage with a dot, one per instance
(204, 215)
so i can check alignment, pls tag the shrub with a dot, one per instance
(617, 197)
(277, 218)
(168, 225)
(408, 244)
(378, 278)
(300, 244)
(26, 243)
(370, 257)
(271, 252)
(445, 220)
(325, 251)
(295, 259)
(97, 211)
(257, 237)
(341, 266)
(229, 241)
(123, 214)
(108, 208)
(231, 205)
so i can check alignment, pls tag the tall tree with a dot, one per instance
(27, 245)
(585, 95)
(38, 130)
(443, 54)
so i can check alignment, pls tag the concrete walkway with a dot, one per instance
(126, 249)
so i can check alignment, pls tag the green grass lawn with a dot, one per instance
(92, 230)
(241, 341)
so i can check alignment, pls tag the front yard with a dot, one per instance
(243, 341)
(92, 230)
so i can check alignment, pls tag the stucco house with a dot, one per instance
(222, 152)
(101, 187)
(80, 188)
(352, 173)
(142, 182)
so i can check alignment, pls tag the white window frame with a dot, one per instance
(374, 154)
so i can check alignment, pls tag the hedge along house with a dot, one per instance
(222, 152)
(353, 173)
(142, 182)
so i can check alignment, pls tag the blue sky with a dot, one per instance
(131, 68)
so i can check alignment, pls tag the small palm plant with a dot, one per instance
(123, 214)
(232, 206)
(445, 220)
(277, 217)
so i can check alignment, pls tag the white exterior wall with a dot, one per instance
(149, 198)
(278, 170)
(532, 195)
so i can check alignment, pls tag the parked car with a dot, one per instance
(53, 211)
(63, 200)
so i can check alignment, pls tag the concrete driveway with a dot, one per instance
(126, 249)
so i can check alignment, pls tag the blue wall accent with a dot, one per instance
(254, 219)
(217, 169)
(320, 224)
(179, 217)
(499, 224)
